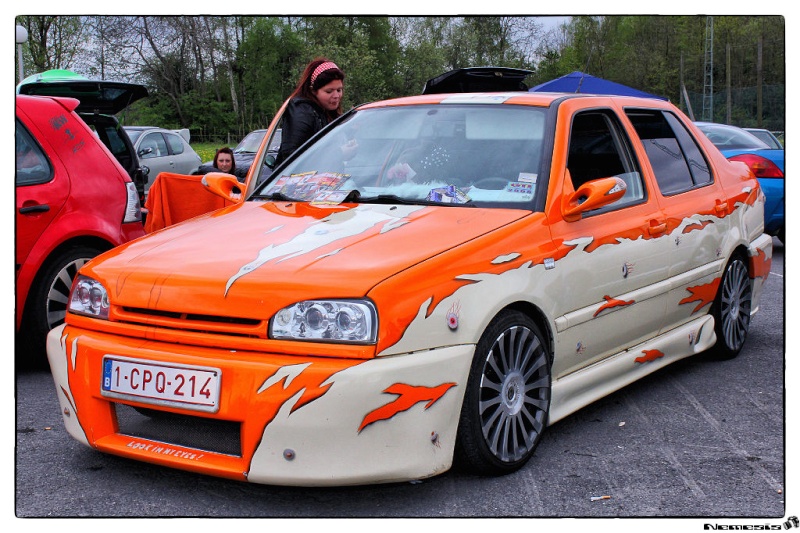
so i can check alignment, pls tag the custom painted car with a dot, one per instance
(485, 265)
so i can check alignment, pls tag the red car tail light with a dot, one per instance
(761, 166)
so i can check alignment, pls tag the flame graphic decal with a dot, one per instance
(649, 355)
(337, 228)
(611, 303)
(308, 380)
(407, 397)
(760, 265)
(697, 225)
(702, 293)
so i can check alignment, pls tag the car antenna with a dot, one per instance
(580, 81)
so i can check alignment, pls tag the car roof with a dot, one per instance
(95, 96)
(538, 99)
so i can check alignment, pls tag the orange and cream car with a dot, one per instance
(482, 266)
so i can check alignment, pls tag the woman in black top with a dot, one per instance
(315, 102)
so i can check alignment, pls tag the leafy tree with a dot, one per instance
(53, 42)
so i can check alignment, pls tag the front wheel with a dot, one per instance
(731, 309)
(47, 302)
(507, 398)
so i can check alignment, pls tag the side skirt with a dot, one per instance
(580, 388)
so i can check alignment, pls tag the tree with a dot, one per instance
(53, 41)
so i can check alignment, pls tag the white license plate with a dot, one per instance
(189, 387)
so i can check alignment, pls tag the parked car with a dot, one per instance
(163, 150)
(100, 102)
(486, 265)
(62, 174)
(246, 151)
(766, 163)
(767, 136)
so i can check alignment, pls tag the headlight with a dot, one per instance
(353, 321)
(89, 298)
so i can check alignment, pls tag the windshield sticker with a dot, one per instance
(448, 195)
(527, 177)
(518, 187)
(308, 185)
(331, 198)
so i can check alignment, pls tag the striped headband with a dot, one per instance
(327, 65)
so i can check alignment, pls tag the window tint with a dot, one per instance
(32, 165)
(175, 143)
(677, 161)
(598, 148)
(154, 142)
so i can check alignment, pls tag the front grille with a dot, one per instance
(206, 434)
(181, 321)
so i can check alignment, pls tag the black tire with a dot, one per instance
(731, 309)
(507, 398)
(47, 302)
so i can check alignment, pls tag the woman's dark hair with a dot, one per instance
(226, 150)
(309, 82)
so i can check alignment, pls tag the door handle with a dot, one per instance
(721, 208)
(656, 227)
(39, 208)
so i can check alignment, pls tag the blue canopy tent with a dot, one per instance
(578, 82)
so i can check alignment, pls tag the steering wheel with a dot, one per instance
(491, 183)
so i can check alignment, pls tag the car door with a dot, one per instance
(616, 255)
(695, 206)
(153, 153)
(181, 160)
(42, 189)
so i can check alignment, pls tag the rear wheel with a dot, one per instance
(507, 398)
(47, 302)
(731, 309)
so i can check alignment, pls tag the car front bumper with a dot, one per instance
(310, 421)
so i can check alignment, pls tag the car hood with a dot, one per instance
(95, 96)
(252, 259)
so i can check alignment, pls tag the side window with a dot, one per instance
(676, 160)
(156, 145)
(599, 148)
(32, 165)
(175, 143)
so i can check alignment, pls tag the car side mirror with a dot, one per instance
(591, 195)
(224, 185)
(270, 161)
(144, 151)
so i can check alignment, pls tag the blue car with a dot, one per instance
(736, 144)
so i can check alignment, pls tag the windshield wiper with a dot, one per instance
(276, 196)
(394, 199)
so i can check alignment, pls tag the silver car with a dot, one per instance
(163, 150)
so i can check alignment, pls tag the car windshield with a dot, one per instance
(250, 143)
(443, 154)
(731, 138)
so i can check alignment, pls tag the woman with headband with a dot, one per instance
(315, 102)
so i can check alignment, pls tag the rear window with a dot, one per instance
(32, 165)
(175, 143)
(676, 159)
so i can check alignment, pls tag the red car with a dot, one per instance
(73, 201)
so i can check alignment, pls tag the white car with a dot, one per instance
(163, 150)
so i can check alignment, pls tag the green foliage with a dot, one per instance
(224, 76)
